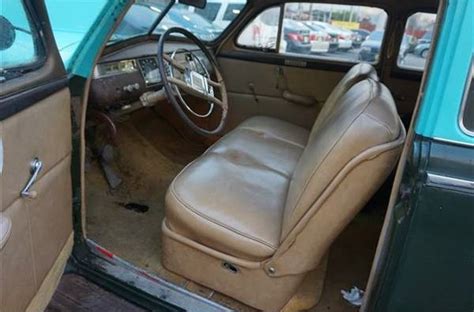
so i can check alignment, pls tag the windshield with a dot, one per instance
(206, 24)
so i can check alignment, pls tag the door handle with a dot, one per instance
(36, 166)
(299, 99)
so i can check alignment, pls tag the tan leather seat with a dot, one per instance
(270, 197)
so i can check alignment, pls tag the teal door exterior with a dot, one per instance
(425, 262)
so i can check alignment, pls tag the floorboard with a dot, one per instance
(75, 293)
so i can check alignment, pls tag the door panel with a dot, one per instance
(42, 225)
(247, 81)
(34, 124)
(17, 274)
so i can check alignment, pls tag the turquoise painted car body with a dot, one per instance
(71, 20)
(440, 107)
(81, 28)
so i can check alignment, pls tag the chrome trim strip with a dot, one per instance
(461, 143)
(154, 285)
(449, 181)
(464, 102)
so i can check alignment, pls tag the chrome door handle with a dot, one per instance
(36, 166)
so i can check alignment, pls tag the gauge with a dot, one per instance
(115, 68)
(150, 71)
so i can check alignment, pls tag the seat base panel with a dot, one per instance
(280, 294)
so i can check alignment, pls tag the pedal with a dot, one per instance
(107, 162)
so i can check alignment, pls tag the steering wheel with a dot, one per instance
(191, 77)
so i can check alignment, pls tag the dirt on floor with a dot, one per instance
(150, 153)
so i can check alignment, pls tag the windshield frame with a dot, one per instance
(111, 42)
(160, 17)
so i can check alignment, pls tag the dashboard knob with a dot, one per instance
(131, 87)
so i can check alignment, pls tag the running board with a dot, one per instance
(150, 284)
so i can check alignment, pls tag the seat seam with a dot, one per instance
(212, 220)
(379, 122)
(278, 138)
(265, 167)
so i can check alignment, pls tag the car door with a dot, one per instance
(35, 155)
(424, 256)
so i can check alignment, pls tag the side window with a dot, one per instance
(416, 42)
(346, 33)
(19, 42)
(262, 31)
(467, 113)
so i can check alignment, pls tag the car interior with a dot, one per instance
(254, 177)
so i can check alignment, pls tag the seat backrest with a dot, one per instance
(356, 74)
(364, 117)
(349, 155)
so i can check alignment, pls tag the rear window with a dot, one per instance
(416, 42)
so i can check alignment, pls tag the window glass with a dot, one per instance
(232, 10)
(139, 19)
(325, 31)
(20, 45)
(210, 11)
(468, 105)
(262, 32)
(206, 24)
(335, 32)
(416, 41)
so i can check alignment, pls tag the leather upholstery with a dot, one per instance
(272, 193)
(364, 117)
(256, 178)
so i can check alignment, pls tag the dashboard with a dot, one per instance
(122, 76)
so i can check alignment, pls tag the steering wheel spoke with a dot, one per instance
(173, 62)
(192, 91)
(192, 77)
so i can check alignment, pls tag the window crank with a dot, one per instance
(36, 166)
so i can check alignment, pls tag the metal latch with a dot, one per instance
(36, 166)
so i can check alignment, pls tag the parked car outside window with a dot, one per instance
(370, 48)
(416, 42)
(336, 32)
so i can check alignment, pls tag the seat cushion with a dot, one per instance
(232, 198)
(278, 129)
(267, 142)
